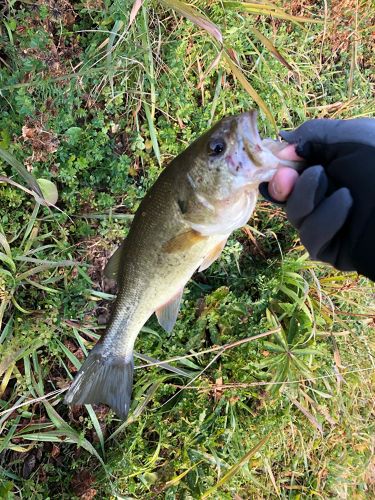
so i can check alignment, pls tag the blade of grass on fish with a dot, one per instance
(21, 170)
(235, 468)
(196, 17)
(236, 71)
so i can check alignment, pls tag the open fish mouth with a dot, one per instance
(245, 155)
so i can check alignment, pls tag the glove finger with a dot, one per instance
(321, 226)
(308, 192)
(325, 131)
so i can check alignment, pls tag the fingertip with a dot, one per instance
(282, 183)
(289, 153)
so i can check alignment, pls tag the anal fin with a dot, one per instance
(167, 314)
(213, 255)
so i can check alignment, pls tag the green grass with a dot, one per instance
(269, 390)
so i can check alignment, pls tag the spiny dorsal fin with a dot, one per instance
(212, 255)
(167, 314)
(113, 265)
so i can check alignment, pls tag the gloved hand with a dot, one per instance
(333, 201)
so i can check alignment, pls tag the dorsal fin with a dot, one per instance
(113, 265)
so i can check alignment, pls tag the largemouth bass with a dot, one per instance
(181, 226)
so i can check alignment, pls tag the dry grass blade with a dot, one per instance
(233, 470)
(199, 19)
(133, 13)
(213, 65)
(308, 415)
(268, 9)
(19, 186)
(269, 46)
(236, 71)
(196, 17)
(21, 170)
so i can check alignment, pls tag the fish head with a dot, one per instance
(225, 167)
(231, 156)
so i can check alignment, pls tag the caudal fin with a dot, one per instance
(103, 379)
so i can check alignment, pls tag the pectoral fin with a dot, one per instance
(213, 255)
(183, 241)
(113, 265)
(167, 314)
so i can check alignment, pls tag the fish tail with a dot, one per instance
(103, 379)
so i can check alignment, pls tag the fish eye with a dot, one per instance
(216, 147)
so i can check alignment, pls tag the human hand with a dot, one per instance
(282, 183)
(332, 203)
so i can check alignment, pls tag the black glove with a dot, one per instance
(333, 202)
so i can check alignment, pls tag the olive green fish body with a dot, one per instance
(152, 270)
(181, 226)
